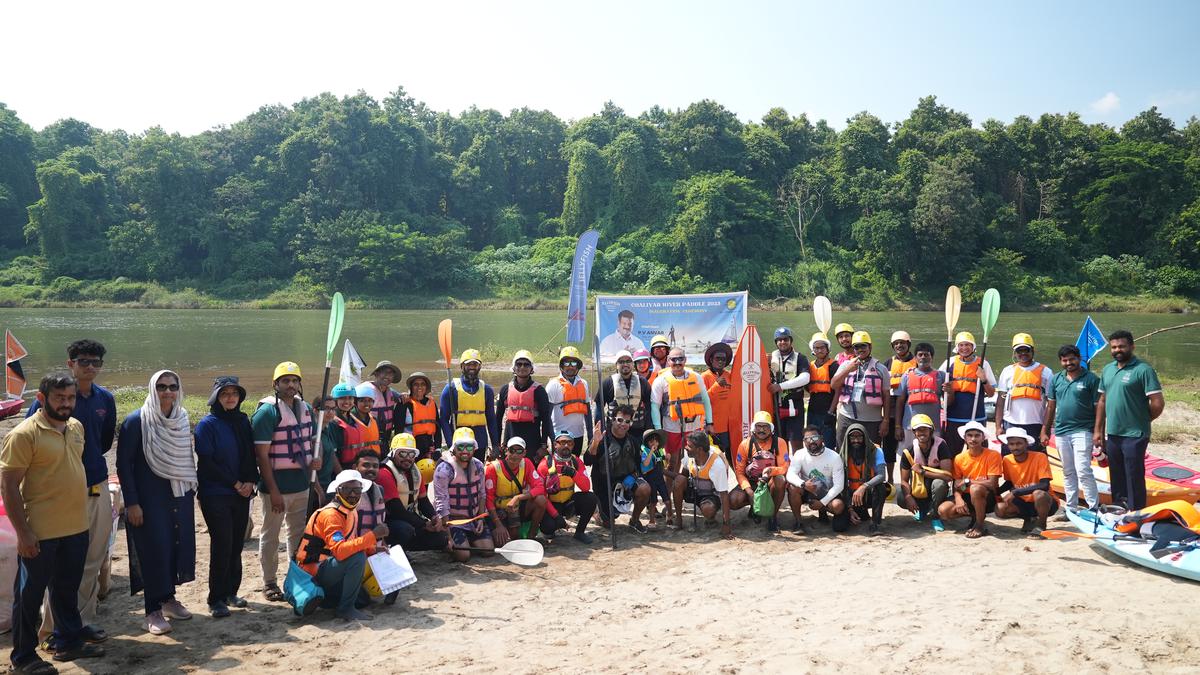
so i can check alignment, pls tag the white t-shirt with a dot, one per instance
(1024, 410)
(614, 343)
(575, 423)
(826, 467)
(718, 474)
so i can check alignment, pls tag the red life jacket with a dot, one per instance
(521, 406)
(922, 387)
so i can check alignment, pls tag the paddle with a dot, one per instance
(612, 509)
(823, 313)
(464, 521)
(523, 552)
(988, 315)
(445, 343)
(953, 307)
(1060, 535)
(337, 314)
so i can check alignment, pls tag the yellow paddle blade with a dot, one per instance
(444, 339)
(953, 307)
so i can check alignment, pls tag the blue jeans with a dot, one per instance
(1127, 469)
(58, 566)
(341, 580)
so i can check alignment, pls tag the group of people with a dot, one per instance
(368, 467)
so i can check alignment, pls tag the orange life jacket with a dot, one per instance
(899, 368)
(1027, 383)
(369, 435)
(575, 400)
(313, 549)
(700, 475)
(922, 387)
(424, 416)
(964, 376)
(352, 440)
(1180, 511)
(819, 378)
(683, 397)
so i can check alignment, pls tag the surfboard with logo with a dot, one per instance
(749, 378)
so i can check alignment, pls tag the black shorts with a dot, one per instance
(990, 500)
(709, 498)
(1029, 509)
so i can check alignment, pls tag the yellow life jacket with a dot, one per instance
(508, 485)
(470, 407)
(1027, 383)
(899, 368)
(566, 484)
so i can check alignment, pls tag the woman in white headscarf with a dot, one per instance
(158, 482)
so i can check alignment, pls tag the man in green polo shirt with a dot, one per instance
(1078, 425)
(1130, 397)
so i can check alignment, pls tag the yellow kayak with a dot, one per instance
(1157, 491)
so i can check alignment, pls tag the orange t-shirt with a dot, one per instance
(984, 466)
(1035, 468)
(721, 400)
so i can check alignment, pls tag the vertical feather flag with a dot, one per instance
(1090, 341)
(352, 365)
(581, 274)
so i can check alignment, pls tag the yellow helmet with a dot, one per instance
(920, 420)
(465, 436)
(764, 417)
(286, 368)
(469, 356)
(426, 467)
(861, 337)
(900, 335)
(1022, 340)
(522, 354)
(404, 441)
(571, 353)
(817, 337)
(659, 341)
(964, 336)
(842, 328)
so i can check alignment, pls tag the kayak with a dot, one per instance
(1167, 471)
(1184, 564)
(1157, 491)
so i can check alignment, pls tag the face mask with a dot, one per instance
(345, 502)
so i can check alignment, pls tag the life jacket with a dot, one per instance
(782, 372)
(521, 406)
(385, 404)
(369, 438)
(964, 376)
(461, 490)
(652, 376)
(700, 476)
(857, 474)
(424, 416)
(371, 511)
(760, 459)
(631, 397)
(575, 399)
(683, 396)
(352, 440)
(291, 442)
(470, 407)
(312, 550)
(559, 487)
(898, 368)
(408, 483)
(1027, 383)
(819, 378)
(1178, 511)
(922, 387)
(652, 459)
(508, 485)
(872, 385)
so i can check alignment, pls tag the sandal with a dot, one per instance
(975, 533)
(36, 666)
(271, 592)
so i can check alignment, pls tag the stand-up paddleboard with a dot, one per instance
(1184, 563)
(1157, 491)
(749, 378)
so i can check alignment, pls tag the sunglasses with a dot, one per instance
(810, 439)
(464, 446)
(678, 359)
(95, 363)
(167, 387)
(620, 420)
(524, 364)
(410, 453)
(624, 362)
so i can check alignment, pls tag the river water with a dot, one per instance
(201, 344)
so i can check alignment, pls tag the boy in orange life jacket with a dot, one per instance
(569, 399)
(977, 471)
(417, 414)
(1021, 392)
(1026, 489)
(516, 494)
(761, 457)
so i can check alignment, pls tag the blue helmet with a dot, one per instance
(341, 389)
(783, 332)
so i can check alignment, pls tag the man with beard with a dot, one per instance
(929, 457)
(789, 375)
(865, 490)
(900, 362)
(919, 393)
(1022, 392)
(625, 387)
(679, 405)
(417, 414)
(568, 488)
(844, 334)
(1131, 398)
(761, 457)
(977, 471)
(524, 408)
(815, 478)
(659, 350)
(968, 373)
(820, 394)
(862, 383)
(405, 494)
(467, 402)
(459, 494)
(516, 494)
(708, 475)
(624, 462)
(384, 399)
(1026, 490)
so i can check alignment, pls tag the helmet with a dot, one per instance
(624, 354)
(1022, 340)
(920, 420)
(817, 337)
(522, 354)
(464, 435)
(622, 499)
(569, 353)
(365, 390)
(659, 341)
(783, 332)
(964, 336)
(469, 356)
(641, 355)
(763, 417)
(861, 337)
(286, 368)
(405, 441)
(842, 328)
(900, 335)
(341, 390)
(426, 467)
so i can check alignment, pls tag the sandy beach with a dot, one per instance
(676, 602)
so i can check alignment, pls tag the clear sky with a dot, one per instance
(189, 66)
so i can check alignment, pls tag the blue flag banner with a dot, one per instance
(581, 274)
(1090, 340)
(693, 322)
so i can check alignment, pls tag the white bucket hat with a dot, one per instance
(1016, 432)
(347, 476)
(973, 426)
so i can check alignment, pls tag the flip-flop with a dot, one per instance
(974, 533)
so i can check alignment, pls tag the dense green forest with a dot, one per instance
(398, 205)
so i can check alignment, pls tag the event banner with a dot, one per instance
(692, 322)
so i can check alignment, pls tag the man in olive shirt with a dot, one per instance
(1131, 397)
(1077, 423)
(44, 488)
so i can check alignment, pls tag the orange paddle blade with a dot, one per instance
(1066, 534)
(444, 341)
(464, 521)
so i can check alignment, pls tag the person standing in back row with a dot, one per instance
(1078, 426)
(524, 409)
(1131, 398)
(469, 402)
(718, 357)
(625, 387)
(789, 375)
(863, 395)
(968, 372)
(1021, 393)
(900, 362)
(570, 402)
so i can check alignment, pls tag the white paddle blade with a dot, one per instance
(953, 306)
(823, 313)
(524, 552)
